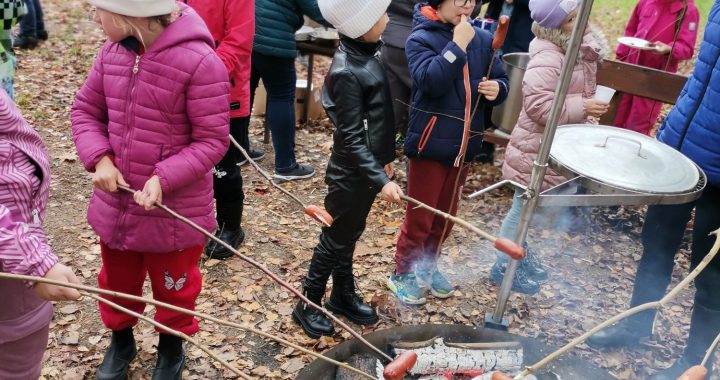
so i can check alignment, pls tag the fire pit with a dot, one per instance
(533, 350)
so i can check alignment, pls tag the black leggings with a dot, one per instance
(227, 180)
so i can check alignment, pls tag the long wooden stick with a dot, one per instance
(710, 350)
(646, 306)
(172, 332)
(264, 173)
(91, 289)
(272, 275)
(454, 219)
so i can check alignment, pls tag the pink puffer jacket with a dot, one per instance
(539, 82)
(166, 113)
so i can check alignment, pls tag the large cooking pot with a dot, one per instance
(566, 367)
(622, 167)
(506, 115)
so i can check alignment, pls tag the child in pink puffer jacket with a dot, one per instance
(553, 24)
(152, 115)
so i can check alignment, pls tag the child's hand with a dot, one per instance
(107, 177)
(595, 108)
(463, 33)
(661, 48)
(50, 292)
(151, 193)
(391, 192)
(390, 170)
(489, 88)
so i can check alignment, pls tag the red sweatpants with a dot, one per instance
(430, 182)
(174, 277)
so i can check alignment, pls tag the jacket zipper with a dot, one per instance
(36, 216)
(126, 143)
(367, 133)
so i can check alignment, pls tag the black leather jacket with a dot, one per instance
(357, 100)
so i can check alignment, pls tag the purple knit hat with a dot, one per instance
(551, 13)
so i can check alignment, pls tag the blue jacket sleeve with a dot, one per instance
(434, 73)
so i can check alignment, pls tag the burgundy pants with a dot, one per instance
(174, 277)
(22, 359)
(432, 183)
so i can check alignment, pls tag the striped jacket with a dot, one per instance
(24, 189)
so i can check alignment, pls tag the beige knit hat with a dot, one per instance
(136, 8)
(353, 18)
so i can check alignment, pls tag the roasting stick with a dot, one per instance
(84, 289)
(173, 332)
(497, 42)
(312, 211)
(505, 245)
(709, 351)
(646, 306)
(282, 283)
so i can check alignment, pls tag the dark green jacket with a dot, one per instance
(276, 22)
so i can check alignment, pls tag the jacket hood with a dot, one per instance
(189, 26)
(421, 20)
(594, 44)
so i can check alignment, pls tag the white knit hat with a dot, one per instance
(353, 18)
(136, 8)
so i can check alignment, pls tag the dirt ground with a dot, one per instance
(591, 271)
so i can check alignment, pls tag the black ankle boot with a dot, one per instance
(312, 321)
(345, 301)
(118, 356)
(522, 283)
(232, 237)
(171, 358)
(625, 333)
(532, 265)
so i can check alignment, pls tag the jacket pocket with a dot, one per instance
(426, 133)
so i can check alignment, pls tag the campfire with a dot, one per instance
(451, 352)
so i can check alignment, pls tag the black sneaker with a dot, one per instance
(256, 156)
(42, 35)
(521, 283)
(301, 171)
(25, 42)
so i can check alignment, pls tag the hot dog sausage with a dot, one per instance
(510, 248)
(501, 32)
(395, 370)
(319, 214)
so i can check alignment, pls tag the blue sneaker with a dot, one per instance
(406, 289)
(439, 286)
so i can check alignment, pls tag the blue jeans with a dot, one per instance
(33, 21)
(559, 217)
(278, 76)
(509, 226)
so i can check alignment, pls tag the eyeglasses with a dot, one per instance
(464, 3)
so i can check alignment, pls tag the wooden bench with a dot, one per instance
(626, 79)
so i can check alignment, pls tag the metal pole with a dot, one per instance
(531, 196)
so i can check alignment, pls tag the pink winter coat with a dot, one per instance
(24, 249)
(655, 20)
(539, 82)
(162, 113)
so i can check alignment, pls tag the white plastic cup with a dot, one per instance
(604, 94)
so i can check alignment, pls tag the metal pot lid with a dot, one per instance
(623, 159)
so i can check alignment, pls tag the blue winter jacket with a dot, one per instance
(693, 125)
(439, 90)
(276, 22)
